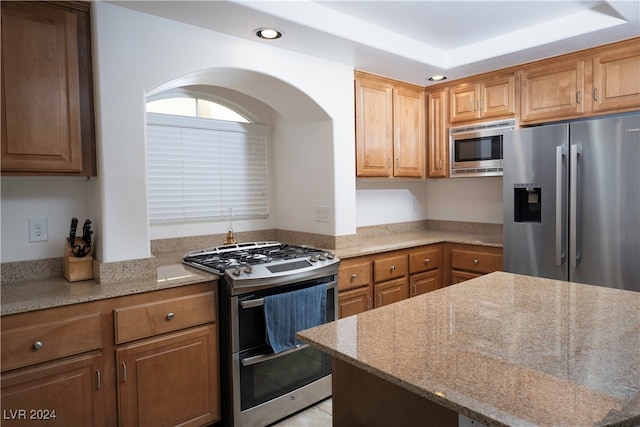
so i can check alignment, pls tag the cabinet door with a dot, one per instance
(408, 132)
(354, 301)
(616, 79)
(551, 91)
(464, 103)
(438, 137)
(422, 283)
(63, 393)
(389, 292)
(497, 98)
(374, 128)
(458, 276)
(170, 380)
(41, 126)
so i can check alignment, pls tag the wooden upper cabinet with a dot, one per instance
(47, 113)
(552, 90)
(390, 128)
(616, 78)
(494, 98)
(602, 80)
(408, 132)
(437, 135)
(374, 128)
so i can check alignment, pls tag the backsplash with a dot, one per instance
(145, 268)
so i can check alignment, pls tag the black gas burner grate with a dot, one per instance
(223, 258)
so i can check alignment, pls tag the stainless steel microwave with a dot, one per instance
(476, 150)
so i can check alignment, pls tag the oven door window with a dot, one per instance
(284, 373)
(478, 149)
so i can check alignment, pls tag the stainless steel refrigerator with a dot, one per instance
(572, 202)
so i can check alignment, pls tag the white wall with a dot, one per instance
(312, 101)
(137, 54)
(56, 198)
(463, 199)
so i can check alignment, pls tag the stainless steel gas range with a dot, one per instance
(260, 385)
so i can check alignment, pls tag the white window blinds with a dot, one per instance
(205, 170)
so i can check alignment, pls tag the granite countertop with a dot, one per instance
(23, 296)
(33, 295)
(505, 349)
(394, 241)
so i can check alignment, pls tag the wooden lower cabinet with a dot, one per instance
(458, 276)
(422, 283)
(147, 359)
(386, 293)
(169, 380)
(61, 393)
(376, 280)
(464, 262)
(354, 301)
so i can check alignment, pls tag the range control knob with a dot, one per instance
(322, 257)
(313, 258)
(248, 269)
(236, 271)
(330, 255)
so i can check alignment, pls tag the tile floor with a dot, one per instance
(315, 416)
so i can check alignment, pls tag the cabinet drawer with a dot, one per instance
(354, 275)
(50, 340)
(390, 267)
(425, 259)
(480, 262)
(145, 320)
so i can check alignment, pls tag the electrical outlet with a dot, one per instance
(38, 229)
(322, 213)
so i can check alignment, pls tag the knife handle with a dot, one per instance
(72, 231)
(86, 232)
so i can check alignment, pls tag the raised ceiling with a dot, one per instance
(411, 40)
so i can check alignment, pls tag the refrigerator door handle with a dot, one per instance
(575, 196)
(560, 247)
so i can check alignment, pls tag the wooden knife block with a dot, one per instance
(75, 268)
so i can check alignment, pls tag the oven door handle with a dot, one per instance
(248, 361)
(252, 303)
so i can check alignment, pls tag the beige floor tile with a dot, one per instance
(312, 417)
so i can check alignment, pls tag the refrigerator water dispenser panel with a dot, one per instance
(528, 203)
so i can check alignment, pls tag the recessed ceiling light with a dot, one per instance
(437, 78)
(268, 33)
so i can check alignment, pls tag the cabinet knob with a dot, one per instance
(393, 268)
(426, 261)
(170, 316)
(37, 345)
(354, 276)
(475, 262)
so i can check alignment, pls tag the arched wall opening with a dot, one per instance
(300, 150)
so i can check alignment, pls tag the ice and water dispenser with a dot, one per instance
(528, 203)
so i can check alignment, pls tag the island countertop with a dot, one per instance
(504, 349)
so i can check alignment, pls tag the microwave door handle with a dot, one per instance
(560, 247)
(248, 361)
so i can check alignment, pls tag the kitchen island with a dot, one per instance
(502, 349)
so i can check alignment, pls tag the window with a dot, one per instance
(194, 107)
(201, 169)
